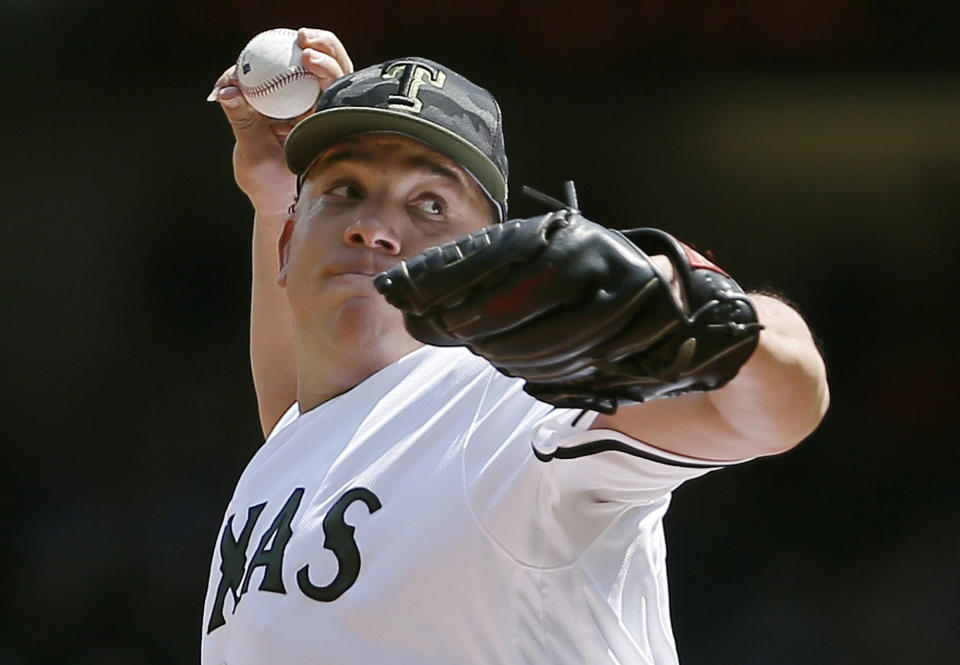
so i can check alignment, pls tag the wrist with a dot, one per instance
(273, 205)
(270, 197)
(269, 219)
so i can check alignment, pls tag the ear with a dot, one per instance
(283, 248)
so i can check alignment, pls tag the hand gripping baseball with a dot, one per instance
(577, 310)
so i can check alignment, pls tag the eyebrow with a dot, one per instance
(419, 162)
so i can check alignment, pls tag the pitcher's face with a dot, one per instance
(368, 202)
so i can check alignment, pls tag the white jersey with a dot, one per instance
(436, 514)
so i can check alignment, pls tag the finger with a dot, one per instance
(446, 274)
(627, 325)
(249, 126)
(536, 352)
(282, 130)
(578, 274)
(670, 273)
(322, 65)
(229, 77)
(327, 42)
(528, 292)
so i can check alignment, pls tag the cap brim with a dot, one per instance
(319, 131)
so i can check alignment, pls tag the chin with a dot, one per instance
(373, 328)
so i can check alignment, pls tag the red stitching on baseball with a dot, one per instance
(277, 81)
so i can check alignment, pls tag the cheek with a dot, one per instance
(478, 217)
(456, 230)
(310, 244)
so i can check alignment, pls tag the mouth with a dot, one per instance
(369, 269)
(364, 275)
(351, 277)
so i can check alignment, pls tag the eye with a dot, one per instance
(343, 191)
(432, 206)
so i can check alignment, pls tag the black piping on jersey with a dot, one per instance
(606, 445)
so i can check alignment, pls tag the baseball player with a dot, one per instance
(473, 424)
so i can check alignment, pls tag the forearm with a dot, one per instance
(780, 395)
(777, 398)
(272, 353)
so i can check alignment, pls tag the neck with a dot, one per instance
(320, 379)
(318, 383)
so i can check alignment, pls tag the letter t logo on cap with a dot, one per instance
(412, 76)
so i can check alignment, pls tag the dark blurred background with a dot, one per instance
(812, 145)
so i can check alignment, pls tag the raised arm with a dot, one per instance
(262, 174)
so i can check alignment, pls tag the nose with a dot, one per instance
(371, 233)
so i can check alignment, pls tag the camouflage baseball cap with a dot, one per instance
(418, 98)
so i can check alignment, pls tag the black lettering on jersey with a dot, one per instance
(338, 538)
(272, 558)
(233, 560)
(235, 574)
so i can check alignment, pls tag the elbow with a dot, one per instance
(821, 404)
(785, 381)
(809, 424)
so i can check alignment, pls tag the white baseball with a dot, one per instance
(272, 77)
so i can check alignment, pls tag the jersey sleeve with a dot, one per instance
(608, 464)
(548, 488)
